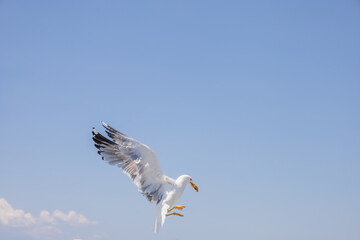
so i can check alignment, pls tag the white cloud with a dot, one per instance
(57, 216)
(14, 217)
(43, 225)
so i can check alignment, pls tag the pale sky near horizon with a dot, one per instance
(257, 100)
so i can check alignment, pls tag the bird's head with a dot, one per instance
(189, 180)
(186, 179)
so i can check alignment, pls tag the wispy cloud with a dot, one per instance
(39, 226)
(72, 218)
(14, 217)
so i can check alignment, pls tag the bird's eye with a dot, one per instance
(190, 179)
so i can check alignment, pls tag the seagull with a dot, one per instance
(139, 162)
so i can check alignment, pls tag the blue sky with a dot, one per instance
(257, 100)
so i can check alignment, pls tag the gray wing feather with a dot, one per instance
(137, 160)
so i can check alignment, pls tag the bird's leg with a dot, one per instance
(174, 213)
(179, 207)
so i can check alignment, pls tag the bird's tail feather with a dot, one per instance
(161, 211)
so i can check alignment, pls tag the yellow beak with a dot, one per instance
(194, 186)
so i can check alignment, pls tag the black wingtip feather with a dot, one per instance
(112, 130)
(100, 139)
(98, 146)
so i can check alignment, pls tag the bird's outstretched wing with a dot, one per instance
(137, 160)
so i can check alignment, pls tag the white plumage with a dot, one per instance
(139, 162)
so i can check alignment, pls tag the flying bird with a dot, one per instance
(139, 162)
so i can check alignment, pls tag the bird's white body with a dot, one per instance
(139, 162)
(173, 193)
